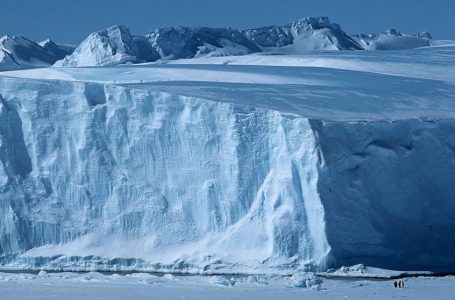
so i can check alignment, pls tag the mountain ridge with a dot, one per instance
(117, 45)
(17, 52)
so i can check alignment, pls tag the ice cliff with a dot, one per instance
(230, 168)
(156, 177)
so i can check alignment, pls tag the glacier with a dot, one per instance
(251, 164)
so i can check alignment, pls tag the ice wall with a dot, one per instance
(106, 171)
(108, 176)
(388, 192)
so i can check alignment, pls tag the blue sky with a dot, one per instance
(70, 21)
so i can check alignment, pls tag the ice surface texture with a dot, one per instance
(217, 168)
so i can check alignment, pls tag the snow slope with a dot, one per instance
(59, 51)
(6, 62)
(211, 167)
(20, 53)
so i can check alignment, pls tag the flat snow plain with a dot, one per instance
(72, 286)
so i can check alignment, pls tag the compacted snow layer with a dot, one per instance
(220, 168)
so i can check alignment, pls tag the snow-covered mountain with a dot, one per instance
(59, 51)
(109, 47)
(303, 35)
(17, 52)
(116, 45)
(186, 42)
(257, 163)
(393, 39)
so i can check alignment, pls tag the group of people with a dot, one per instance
(398, 283)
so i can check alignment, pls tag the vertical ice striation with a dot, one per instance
(92, 170)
